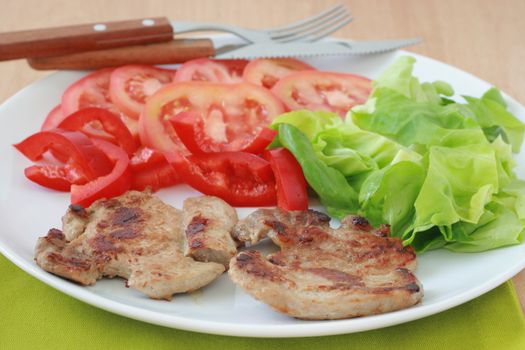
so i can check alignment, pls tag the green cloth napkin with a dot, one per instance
(35, 316)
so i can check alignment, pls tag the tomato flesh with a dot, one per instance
(111, 185)
(206, 70)
(229, 112)
(191, 130)
(53, 118)
(241, 179)
(291, 185)
(109, 122)
(268, 71)
(131, 85)
(313, 90)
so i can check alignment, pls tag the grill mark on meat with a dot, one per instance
(250, 262)
(71, 263)
(125, 233)
(383, 231)
(55, 233)
(361, 223)
(197, 225)
(317, 218)
(196, 243)
(412, 287)
(78, 210)
(126, 216)
(102, 246)
(342, 279)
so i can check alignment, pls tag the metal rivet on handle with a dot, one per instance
(148, 22)
(100, 27)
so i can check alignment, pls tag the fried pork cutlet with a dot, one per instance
(324, 273)
(135, 236)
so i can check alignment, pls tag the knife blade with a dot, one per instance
(303, 49)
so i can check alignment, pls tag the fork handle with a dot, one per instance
(84, 37)
(175, 51)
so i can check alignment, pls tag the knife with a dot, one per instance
(179, 51)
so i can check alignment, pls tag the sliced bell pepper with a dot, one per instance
(151, 170)
(291, 185)
(55, 177)
(79, 152)
(110, 123)
(111, 185)
(241, 179)
(191, 130)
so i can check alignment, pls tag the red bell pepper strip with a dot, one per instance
(55, 177)
(190, 129)
(151, 170)
(111, 185)
(291, 185)
(111, 123)
(241, 179)
(82, 154)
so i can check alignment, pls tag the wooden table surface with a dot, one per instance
(482, 37)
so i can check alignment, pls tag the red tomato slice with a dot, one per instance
(267, 71)
(110, 123)
(190, 129)
(229, 112)
(82, 154)
(291, 185)
(241, 179)
(151, 170)
(314, 90)
(54, 118)
(204, 69)
(93, 91)
(131, 85)
(111, 185)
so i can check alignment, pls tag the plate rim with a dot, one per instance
(307, 329)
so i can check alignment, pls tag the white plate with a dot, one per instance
(28, 211)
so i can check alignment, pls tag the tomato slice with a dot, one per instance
(314, 90)
(204, 69)
(241, 179)
(111, 185)
(110, 123)
(191, 130)
(93, 91)
(291, 185)
(267, 71)
(151, 170)
(54, 117)
(81, 153)
(131, 85)
(229, 112)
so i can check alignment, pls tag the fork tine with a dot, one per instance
(317, 32)
(306, 21)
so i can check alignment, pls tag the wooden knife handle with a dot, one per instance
(175, 51)
(84, 37)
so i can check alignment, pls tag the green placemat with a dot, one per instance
(35, 316)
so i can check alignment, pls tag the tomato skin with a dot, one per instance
(111, 185)
(189, 127)
(291, 185)
(131, 85)
(315, 90)
(81, 152)
(53, 118)
(267, 71)
(207, 70)
(231, 110)
(241, 179)
(50, 176)
(111, 123)
(145, 158)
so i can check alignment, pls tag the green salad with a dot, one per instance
(438, 171)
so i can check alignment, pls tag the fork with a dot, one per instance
(109, 35)
(309, 29)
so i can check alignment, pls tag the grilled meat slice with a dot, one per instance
(208, 222)
(324, 273)
(135, 236)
